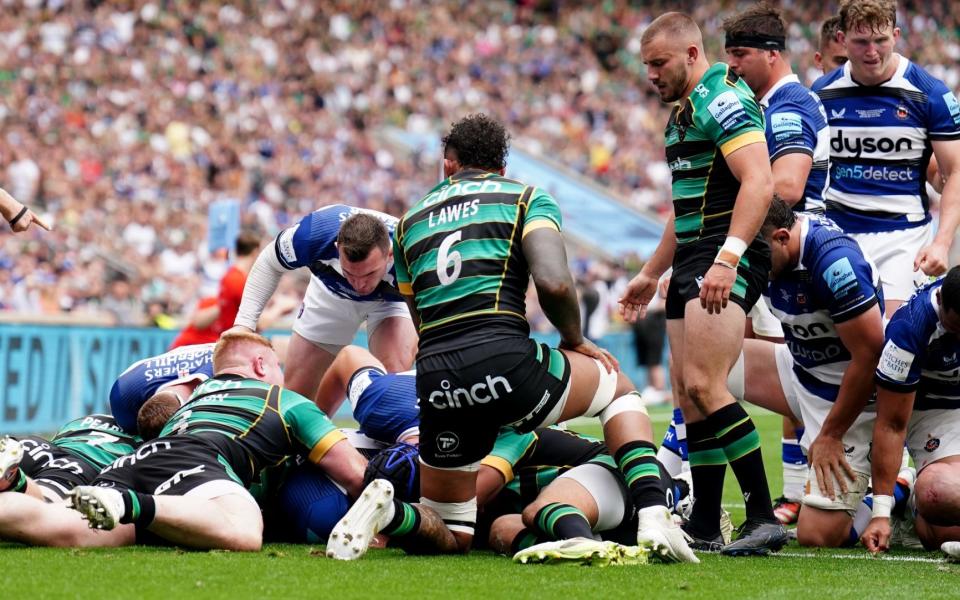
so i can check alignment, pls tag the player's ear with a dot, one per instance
(818, 60)
(781, 236)
(258, 366)
(450, 166)
(693, 52)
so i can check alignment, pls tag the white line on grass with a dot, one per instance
(921, 559)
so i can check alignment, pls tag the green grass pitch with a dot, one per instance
(289, 571)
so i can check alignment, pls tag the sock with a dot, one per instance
(523, 540)
(672, 451)
(708, 465)
(405, 520)
(139, 509)
(794, 469)
(638, 463)
(558, 521)
(21, 484)
(901, 493)
(740, 441)
(674, 490)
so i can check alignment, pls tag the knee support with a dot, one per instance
(460, 517)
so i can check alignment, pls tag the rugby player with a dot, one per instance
(918, 391)
(830, 54)
(464, 255)
(722, 185)
(798, 140)
(827, 294)
(178, 371)
(887, 115)
(189, 485)
(349, 255)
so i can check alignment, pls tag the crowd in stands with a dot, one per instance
(122, 121)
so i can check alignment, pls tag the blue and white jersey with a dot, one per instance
(311, 243)
(797, 122)
(880, 145)
(920, 355)
(146, 377)
(832, 283)
(385, 404)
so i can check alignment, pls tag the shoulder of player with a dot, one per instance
(827, 79)
(922, 79)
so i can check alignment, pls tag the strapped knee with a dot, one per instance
(629, 402)
(459, 517)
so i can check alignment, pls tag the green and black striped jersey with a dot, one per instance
(458, 252)
(254, 424)
(717, 118)
(97, 439)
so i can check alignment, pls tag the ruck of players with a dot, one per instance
(801, 271)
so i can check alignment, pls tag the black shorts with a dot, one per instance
(649, 337)
(467, 395)
(54, 469)
(171, 466)
(692, 261)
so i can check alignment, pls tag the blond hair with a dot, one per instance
(229, 340)
(867, 14)
(676, 26)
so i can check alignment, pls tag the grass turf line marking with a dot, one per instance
(921, 559)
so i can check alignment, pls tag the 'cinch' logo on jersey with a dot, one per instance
(478, 393)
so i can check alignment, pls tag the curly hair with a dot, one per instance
(871, 14)
(478, 141)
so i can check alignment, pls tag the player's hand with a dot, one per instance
(715, 289)
(588, 348)
(829, 463)
(876, 537)
(664, 286)
(28, 219)
(639, 293)
(932, 259)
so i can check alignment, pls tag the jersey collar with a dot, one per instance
(791, 78)
(804, 231)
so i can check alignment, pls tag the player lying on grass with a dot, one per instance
(189, 485)
(918, 397)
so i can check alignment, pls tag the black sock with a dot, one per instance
(638, 463)
(738, 437)
(138, 508)
(558, 521)
(523, 540)
(406, 520)
(21, 484)
(674, 490)
(708, 465)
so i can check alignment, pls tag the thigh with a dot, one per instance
(933, 435)
(711, 343)
(761, 378)
(893, 252)
(392, 336)
(305, 366)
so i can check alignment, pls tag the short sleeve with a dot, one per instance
(542, 211)
(510, 448)
(731, 118)
(845, 283)
(309, 425)
(790, 130)
(311, 239)
(943, 121)
(901, 361)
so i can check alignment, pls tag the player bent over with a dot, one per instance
(464, 255)
(189, 486)
(828, 296)
(918, 397)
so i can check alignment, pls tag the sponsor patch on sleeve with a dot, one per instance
(786, 125)
(285, 244)
(953, 106)
(840, 277)
(727, 109)
(895, 362)
(358, 385)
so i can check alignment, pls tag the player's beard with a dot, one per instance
(674, 84)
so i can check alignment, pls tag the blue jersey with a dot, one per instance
(832, 283)
(920, 355)
(880, 146)
(311, 243)
(144, 378)
(385, 404)
(797, 122)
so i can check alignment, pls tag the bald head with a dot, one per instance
(242, 352)
(676, 27)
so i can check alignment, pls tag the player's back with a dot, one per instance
(833, 282)
(96, 438)
(881, 145)
(461, 252)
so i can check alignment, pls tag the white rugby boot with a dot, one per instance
(665, 540)
(352, 535)
(10, 454)
(101, 507)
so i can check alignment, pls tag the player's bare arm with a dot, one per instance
(643, 286)
(863, 337)
(790, 174)
(934, 259)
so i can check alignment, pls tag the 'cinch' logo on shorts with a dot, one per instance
(478, 393)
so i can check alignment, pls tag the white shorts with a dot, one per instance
(763, 321)
(812, 410)
(933, 435)
(893, 252)
(608, 491)
(331, 322)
